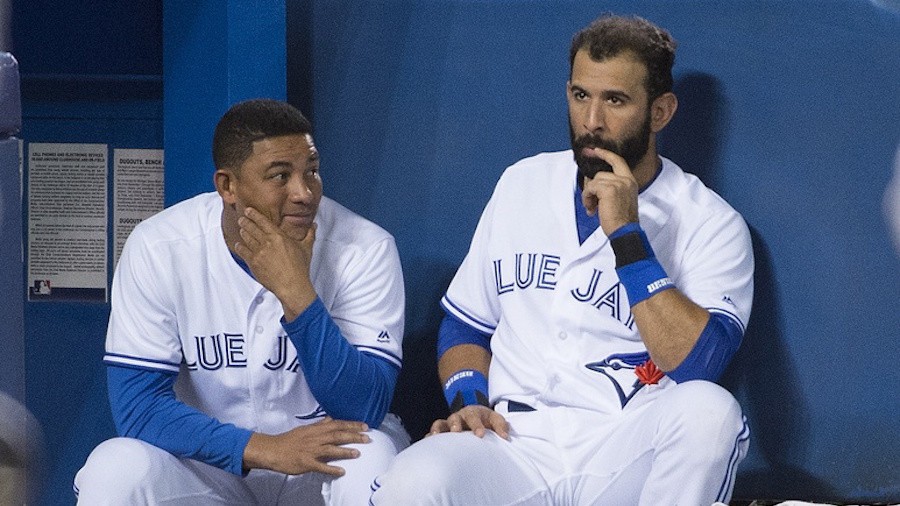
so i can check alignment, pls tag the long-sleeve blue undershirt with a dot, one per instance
(707, 360)
(348, 383)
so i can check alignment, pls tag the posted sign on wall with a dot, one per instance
(67, 221)
(68, 206)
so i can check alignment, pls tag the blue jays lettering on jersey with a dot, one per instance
(525, 272)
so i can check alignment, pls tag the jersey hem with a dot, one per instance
(731, 316)
(140, 363)
(384, 355)
(466, 318)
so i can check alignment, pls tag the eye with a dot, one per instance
(279, 176)
(615, 100)
(578, 94)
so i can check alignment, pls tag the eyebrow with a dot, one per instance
(603, 93)
(616, 93)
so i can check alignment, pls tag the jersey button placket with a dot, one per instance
(259, 351)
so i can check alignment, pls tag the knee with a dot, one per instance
(355, 486)
(118, 464)
(704, 414)
(417, 475)
(704, 404)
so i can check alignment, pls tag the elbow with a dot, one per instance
(370, 399)
(712, 352)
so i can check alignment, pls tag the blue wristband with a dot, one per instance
(464, 388)
(636, 265)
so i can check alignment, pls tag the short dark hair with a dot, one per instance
(609, 36)
(252, 120)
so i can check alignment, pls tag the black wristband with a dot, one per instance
(629, 248)
(458, 403)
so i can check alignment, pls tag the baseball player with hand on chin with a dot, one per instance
(604, 292)
(255, 337)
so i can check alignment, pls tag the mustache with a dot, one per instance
(594, 141)
(589, 167)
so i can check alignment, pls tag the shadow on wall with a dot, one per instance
(693, 137)
(764, 379)
(762, 375)
(419, 398)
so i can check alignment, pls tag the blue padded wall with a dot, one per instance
(65, 378)
(214, 54)
(787, 109)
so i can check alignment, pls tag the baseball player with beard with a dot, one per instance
(255, 337)
(604, 292)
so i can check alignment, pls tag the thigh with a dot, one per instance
(461, 469)
(678, 448)
(131, 471)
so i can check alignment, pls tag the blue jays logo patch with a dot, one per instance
(610, 366)
(316, 413)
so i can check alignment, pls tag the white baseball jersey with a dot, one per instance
(563, 332)
(181, 303)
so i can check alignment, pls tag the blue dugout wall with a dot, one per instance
(788, 109)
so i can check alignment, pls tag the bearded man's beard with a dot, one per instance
(632, 149)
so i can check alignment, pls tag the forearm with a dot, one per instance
(464, 359)
(669, 324)
(144, 407)
(349, 384)
(464, 356)
(461, 346)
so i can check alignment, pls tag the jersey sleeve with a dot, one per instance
(717, 270)
(369, 308)
(142, 331)
(472, 295)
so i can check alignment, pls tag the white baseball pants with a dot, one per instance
(129, 471)
(680, 448)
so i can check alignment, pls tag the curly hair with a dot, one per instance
(609, 36)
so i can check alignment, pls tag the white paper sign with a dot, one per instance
(67, 209)
(137, 190)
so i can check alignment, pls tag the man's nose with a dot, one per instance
(299, 189)
(594, 118)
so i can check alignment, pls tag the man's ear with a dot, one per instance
(224, 180)
(662, 110)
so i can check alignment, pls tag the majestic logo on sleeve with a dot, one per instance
(620, 370)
